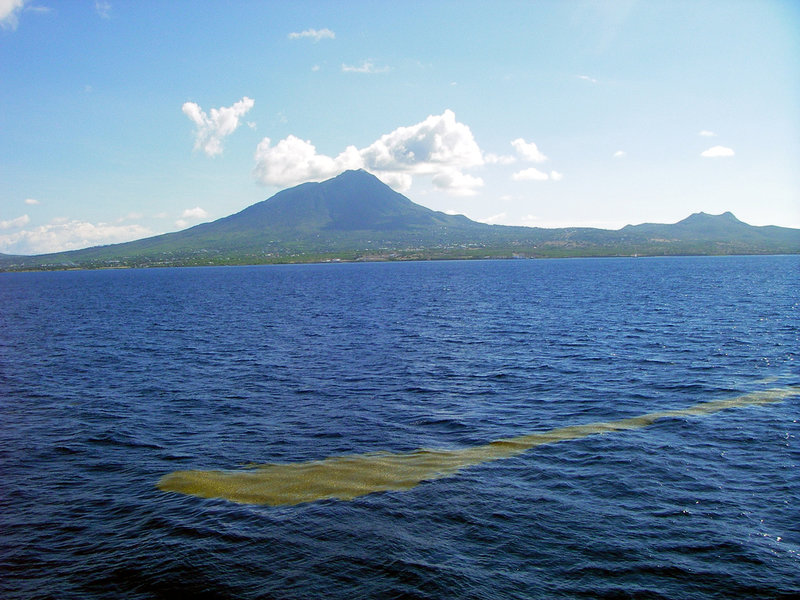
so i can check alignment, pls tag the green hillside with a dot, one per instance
(355, 216)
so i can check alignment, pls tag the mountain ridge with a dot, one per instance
(348, 202)
(355, 216)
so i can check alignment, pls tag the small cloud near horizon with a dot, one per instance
(531, 174)
(64, 234)
(718, 152)
(14, 223)
(194, 213)
(494, 218)
(131, 216)
(707, 133)
(31, 201)
(191, 215)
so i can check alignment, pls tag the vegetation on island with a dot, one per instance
(356, 217)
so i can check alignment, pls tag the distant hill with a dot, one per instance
(355, 216)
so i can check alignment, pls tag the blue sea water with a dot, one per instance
(111, 379)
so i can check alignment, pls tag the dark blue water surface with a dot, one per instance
(111, 379)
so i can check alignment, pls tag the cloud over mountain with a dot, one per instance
(293, 161)
(439, 146)
(191, 215)
(437, 142)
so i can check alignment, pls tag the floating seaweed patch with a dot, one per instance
(348, 477)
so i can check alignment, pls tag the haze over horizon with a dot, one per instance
(123, 120)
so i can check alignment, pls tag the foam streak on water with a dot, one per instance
(348, 477)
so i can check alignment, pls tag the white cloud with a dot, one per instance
(587, 78)
(9, 13)
(439, 142)
(31, 201)
(103, 9)
(530, 220)
(190, 215)
(11, 9)
(219, 123)
(499, 159)
(292, 161)
(400, 182)
(494, 218)
(528, 151)
(61, 234)
(439, 146)
(556, 176)
(717, 152)
(532, 174)
(620, 154)
(707, 133)
(194, 213)
(315, 34)
(131, 216)
(457, 183)
(366, 66)
(14, 223)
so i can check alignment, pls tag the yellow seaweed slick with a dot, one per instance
(348, 477)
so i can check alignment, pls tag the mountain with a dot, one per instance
(355, 216)
(352, 201)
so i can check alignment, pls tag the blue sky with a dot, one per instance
(120, 120)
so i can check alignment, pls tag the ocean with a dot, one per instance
(577, 428)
